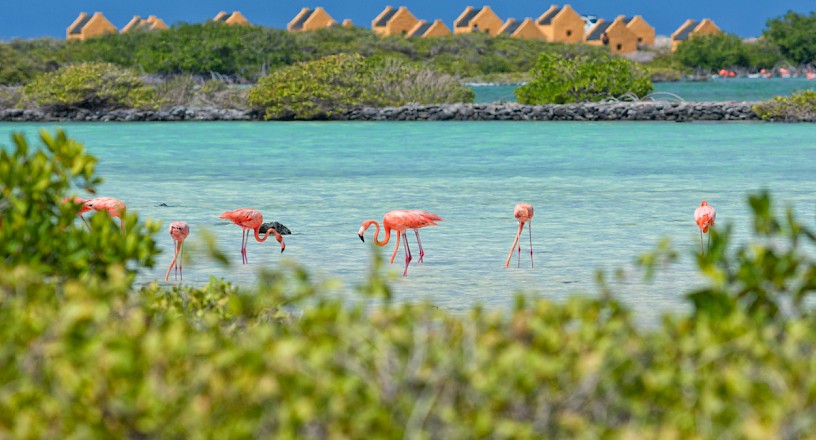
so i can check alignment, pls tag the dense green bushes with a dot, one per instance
(338, 82)
(83, 354)
(718, 51)
(556, 79)
(800, 106)
(89, 86)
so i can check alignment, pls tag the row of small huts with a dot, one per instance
(556, 24)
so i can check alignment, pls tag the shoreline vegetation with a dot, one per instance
(87, 353)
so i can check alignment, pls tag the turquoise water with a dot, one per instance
(603, 192)
(726, 89)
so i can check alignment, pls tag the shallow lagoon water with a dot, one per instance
(604, 193)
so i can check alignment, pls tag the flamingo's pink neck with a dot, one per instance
(377, 233)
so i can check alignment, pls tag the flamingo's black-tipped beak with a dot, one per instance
(283, 247)
(361, 237)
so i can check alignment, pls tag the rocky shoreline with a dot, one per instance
(615, 111)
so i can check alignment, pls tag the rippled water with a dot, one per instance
(603, 193)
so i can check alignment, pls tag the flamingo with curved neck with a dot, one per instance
(250, 219)
(401, 220)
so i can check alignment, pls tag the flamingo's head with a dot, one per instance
(704, 203)
(366, 224)
(79, 201)
(179, 230)
(280, 240)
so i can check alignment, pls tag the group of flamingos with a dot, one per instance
(399, 220)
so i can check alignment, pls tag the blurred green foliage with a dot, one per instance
(799, 106)
(316, 89)
(89, 86)
(557, 79)
(85, 354)
(718, 51)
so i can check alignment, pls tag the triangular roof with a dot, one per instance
(420, 29)
(597, 31)
(301, 19)
(511, 26)
(384, 16)
(548, 15)
(467, 16)
(685, 30)
(79, 23)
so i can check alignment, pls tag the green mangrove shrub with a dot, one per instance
(89, 86)
(559, 79)
(799, 106)
(318, 88)
(84, 353)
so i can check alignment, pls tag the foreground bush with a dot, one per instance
(97, 86)
(558, 79)
(338, 82)
(83, 356)
(800, 106)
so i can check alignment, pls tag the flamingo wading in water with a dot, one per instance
(114, 208)
(179, 231)
(401, 220)
(250, 219)
(704, 216)
(524, 214)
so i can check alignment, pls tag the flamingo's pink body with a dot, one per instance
(401, 220)
(523, 213)
(250, 219)
(179, 232)
(704, 216)
(114, 208)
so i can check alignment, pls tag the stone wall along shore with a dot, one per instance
(615, 111)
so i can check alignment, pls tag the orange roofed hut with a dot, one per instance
(562, 25)
(311, 19)
(149, 23)
(234, 18)
(423, 29)
(644, 32)
(525, 29)
(692, 28)
(478, 20)
(87, 26)
(394, 21)
(614, 35)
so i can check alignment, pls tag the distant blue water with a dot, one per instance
(603, 192)
(726, 89)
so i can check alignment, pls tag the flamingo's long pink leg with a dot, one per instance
(244, 241)
(513, 247)
(701, 242)
(421, 252)
(530, 229)
(407, 256)
(173, 263)
(85, 221)
(399, 236)
(181, 260)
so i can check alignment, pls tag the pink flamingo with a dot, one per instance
(114, 208)
(179, 231)
(704, 215)
(401, 220)
(79, 201)
(523, 213)
(247, 219)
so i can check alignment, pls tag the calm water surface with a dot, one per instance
(604, 193)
